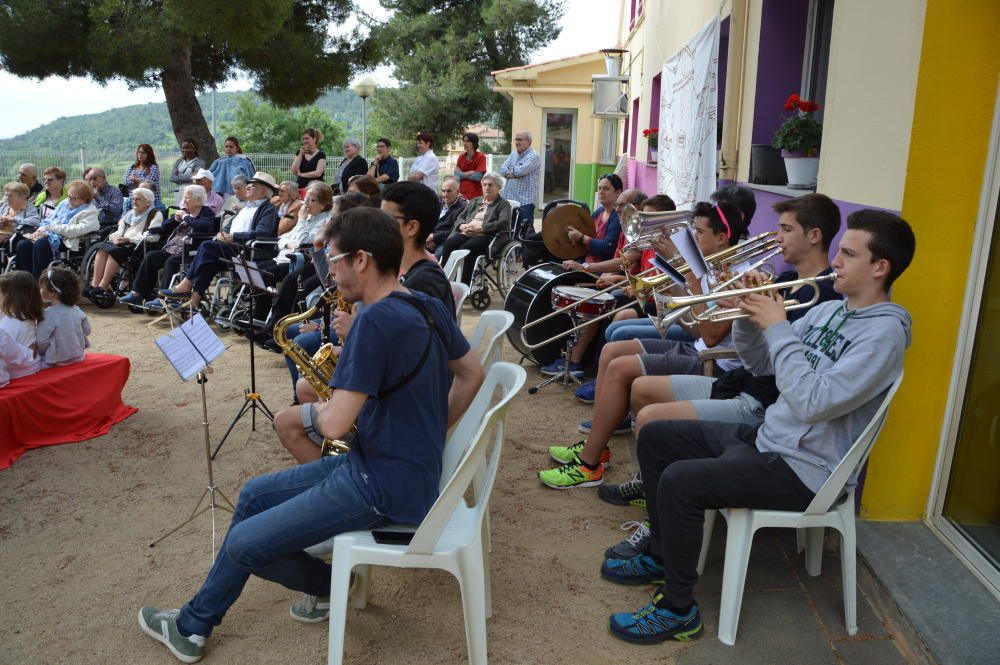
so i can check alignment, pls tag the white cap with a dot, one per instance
(204, 173)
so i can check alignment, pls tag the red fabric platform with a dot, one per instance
(62, 405)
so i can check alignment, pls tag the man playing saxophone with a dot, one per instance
(393, 380)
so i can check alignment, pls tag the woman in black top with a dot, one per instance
(352, 165)
(310, 161)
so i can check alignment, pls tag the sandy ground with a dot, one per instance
(76, 522)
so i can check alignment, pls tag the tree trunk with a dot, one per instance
(185, 113)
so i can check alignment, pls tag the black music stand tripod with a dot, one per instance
(252, 279)
(565, 377)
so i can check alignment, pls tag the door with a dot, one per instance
(558, 154)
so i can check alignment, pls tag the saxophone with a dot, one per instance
(316, 369)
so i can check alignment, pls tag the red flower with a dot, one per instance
(792, 102)
(809, 107)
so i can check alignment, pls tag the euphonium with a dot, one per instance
(318, 368)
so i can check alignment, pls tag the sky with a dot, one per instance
(29, 103)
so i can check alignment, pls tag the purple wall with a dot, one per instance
(779, 64)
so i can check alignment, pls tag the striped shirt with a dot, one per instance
(523, 171)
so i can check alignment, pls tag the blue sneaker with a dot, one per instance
(555, 368)
(652, 624)
(624, 427)
(169, 293)
(133, 299)
(587, 392)
(641, 569)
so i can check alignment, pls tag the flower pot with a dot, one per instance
(652, 155)
(801, 169)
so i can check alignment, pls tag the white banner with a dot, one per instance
(686, 168)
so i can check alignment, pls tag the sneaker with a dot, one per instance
(131, 299)
(624, 427)
(311, 609)
(636, 544)
(629, 493)
(568, 454)
(642, 569)
(555, 368)
(587, 392)
(572, 475)
(161, 625)
(170, 293)
(652, 624)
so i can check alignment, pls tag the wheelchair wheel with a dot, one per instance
(480, 298)
(87, 267)
(106, 300)
(510, 266)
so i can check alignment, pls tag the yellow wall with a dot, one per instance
(952, 119)
(874, 54)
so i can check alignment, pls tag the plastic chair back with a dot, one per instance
(453, 268)
(487, 338)
(459, 292)
(466, 448)
(856, 456)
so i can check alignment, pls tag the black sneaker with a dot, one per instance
(629, 493)
(636, 544)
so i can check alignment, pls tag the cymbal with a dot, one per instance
(558, 222)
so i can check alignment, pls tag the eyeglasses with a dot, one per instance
(334, 260)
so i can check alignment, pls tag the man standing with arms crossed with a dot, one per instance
(523, 172)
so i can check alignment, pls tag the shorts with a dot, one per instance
(308, 414)
(663, 357)
(743, 408)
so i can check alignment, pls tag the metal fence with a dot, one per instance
(279, 165)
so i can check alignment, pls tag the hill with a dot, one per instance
(120, 130)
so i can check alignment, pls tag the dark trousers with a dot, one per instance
(34, 256)
(288, 290)
(477, 246)
(208, 262)
(152, 264)
(689, 466)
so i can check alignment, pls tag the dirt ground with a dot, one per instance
(76, 522)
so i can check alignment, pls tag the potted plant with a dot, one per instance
(652, 136)
(799, 139)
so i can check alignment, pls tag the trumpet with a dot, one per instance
(728, 314)
(642, 228)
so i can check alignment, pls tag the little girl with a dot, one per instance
(16, 360)
(20, 306)
(62, 335)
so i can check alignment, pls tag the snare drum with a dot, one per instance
(587, 303)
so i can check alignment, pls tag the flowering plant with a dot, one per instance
(652, 136)
(800, 132)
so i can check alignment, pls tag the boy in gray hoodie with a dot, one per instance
(833, 367)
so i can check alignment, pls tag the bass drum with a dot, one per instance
(529, 299)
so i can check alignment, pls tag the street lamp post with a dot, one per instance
(364, 88)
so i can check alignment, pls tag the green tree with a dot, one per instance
(444, 51)
(185, 46)
(263, 127)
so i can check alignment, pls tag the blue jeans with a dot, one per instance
(277, 516)
(619, 331)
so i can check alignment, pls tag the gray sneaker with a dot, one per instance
(311, 609)
(634, 545)
(161, 625)
(630, 493)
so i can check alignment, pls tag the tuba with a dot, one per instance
(318, 368)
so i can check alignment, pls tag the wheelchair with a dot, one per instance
(121, 283)
(501, 265)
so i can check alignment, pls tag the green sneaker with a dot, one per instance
(311, 609)
(161, 625)
(568, 454)
(572, 475)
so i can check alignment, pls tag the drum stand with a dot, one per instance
(566, 377)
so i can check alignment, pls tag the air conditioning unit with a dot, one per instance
(610, 91)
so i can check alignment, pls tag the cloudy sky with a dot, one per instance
(28, 103)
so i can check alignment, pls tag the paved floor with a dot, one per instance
(787, 616)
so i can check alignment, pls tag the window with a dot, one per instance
(609, 139)
(816, 56)
(635, 13)
(634, 122)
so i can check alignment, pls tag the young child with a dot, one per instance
(20, 306)
(16, 360)
(61, 337)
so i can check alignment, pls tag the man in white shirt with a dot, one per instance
(425, 167)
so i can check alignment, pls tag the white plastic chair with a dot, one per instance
(452, 535)
(453, 269)
(460, 292)
(488, 335)
(833, 506)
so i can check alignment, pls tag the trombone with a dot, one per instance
(716, 313)
(642, 286)
(641, 228)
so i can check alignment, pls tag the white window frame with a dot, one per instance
(572, 148)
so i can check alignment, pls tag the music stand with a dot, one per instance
(256, 281)
(190, 348)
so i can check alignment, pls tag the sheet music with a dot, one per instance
(256, 276)
(664, 266)
(191, 347)
(241, 270)
(687, 245)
